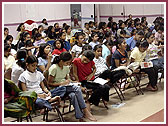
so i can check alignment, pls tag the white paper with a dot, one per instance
(100, 81)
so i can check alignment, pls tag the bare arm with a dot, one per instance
(75, 73)
(73, 55)
(42, 67)
(23, 86)
(92, 74)
(43, 87)
(51, 83)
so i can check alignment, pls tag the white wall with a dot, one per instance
(87, 10)
(137, 10)
(18, 13)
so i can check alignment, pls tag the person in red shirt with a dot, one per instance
(59, 47)
(84, 71)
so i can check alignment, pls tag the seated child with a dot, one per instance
(100, 63)
(138, 55)
(33, 80)
(59, 83)
(19, 66)
(58, 47)
(84, 71)
(77, 48)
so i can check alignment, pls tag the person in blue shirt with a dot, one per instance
(131, 42)
(67, 45)
(131, 26)
(107, 49)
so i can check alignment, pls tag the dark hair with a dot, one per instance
(44, 20)
(61, 33)
(64, 24)
(143, 18)
(34, 32)
(143, 44)
(100, 35)
(161, 28)
(114, 29)
(40, 26)
(129, 15)
(129, 24)
(89, 54)
(136, 20)
(120, 21)
(120, 24)
(55, 24)
(31, 59)
(91, 22)
(86, 47)
(93, 34)
(119, 42)
(122, 31)
(19, 27)
(62, 44)
(110, 43)
(37, 35)
(137, 24)
(97, 47)
(147, 35)
(132, 33)
(101, 24)
(23, 36)
(50, 34)
(107, 34)
(66, 28)
(50, 28)
(6, 47)
(86, 24)
(8, 37)
(110, 19)
(41, 50)
(140, 32)
(64, 56)
(78, 34)
(21, 56)
(28, 42)
(6, 29)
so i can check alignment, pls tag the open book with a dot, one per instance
(100, 81)
(146, 65)
(74, 83)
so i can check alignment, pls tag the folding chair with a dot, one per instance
(124, 80)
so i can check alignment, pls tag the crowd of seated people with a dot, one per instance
(81, 57)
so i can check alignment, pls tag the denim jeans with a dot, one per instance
(77, 100)
(41, 103)
(159, 62)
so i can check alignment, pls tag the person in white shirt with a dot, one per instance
(77, 48)
(94, 41)
(100, 63)
(153, 51)
(33, 80)
(19, 66)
